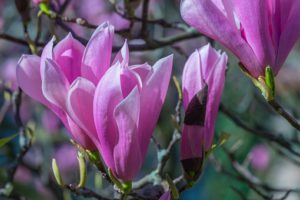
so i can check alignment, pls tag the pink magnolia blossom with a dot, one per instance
(259, 32)
(127, 103)
(114, 105)
(260, 157)
(49, 78)
(204, 74)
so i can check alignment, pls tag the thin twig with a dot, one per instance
(160, 43)
(10, 38)
(278, 139)
(144, 31)
(84, 192)
(254, 182)
(280, 110)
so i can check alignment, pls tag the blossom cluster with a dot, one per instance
(112, 106)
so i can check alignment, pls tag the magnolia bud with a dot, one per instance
(57, 173)
(192, 168)
(196, 110)
(82, 170)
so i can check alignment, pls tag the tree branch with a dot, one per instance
(279, 139)
(84, 192)
(280, 110)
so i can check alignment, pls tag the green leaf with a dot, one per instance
(4, 141)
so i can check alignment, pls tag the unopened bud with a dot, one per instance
(56, 173)
(82, 170)
(192, 168)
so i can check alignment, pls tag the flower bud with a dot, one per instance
(202, 85)
(82, 170)
(57, 173)
(192, 168)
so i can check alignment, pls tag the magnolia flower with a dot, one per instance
(114, 108)
(128, 100)
(48, 79)
(202, 84)
(260, 33)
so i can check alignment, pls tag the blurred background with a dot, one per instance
(33, 178)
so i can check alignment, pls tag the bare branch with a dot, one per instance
(280, 110)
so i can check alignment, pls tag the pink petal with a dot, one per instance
(152, 98)
(227, 8)
(192, 141)
(127, 153)
(215, 81)
(79, 135)
(68, 55)
(290, 33)
(209, 66)
(254, 20)
(142, 70)
(209, 20)
(80, 106)
(96, 58)
(29, 78)
(209, 57)
(108, 95)
(54, 84)
(123, 55)
(47, 53)
(129, 79)
(192, 78)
